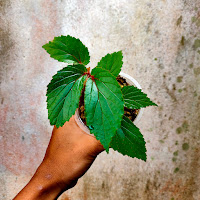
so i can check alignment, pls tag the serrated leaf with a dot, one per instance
(68, 49)
(103, 105)
(129, 141)
(134, 98)
(63, 94)
(112, 62)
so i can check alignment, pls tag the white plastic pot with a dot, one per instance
(131, 81)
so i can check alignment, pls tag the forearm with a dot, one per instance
(44, 185)
(37, 190)
(53, 177)
(69, 155)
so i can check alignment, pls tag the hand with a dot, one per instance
(69, 155)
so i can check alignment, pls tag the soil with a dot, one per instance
(130, 113)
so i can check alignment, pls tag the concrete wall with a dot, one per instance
(160, 40)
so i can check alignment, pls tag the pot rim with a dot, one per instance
(131, 81)
(135, 83)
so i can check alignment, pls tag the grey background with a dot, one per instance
(160, 40)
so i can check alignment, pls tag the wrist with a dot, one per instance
(49, 179)
(46, 184)
(36, 189)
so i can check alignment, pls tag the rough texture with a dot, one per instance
(161, 44)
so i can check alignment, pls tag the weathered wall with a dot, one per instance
(161, 44)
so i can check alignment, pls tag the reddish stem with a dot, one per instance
(89, 74)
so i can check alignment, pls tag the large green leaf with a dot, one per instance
(68, 49)
(112, 62)
(134, 98)
(129, 141)
(63, 93)
(103, 105)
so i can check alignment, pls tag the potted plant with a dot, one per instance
(133, 114)
(104, 98)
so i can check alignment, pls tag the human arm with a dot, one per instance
(69, 155)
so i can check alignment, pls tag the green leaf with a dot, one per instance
(129, 141)
(68, 49)
(103, 105)
(112, 62)
(134, 98)
(63, 94)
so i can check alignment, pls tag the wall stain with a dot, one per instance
(182, 41)
(179, 20)
(148, 29)
(196, 20)
(196, 71)
(174, 159)
(64, 197)
(185, 146)
(191, 65)
(176, 170)
(185, 126)
(6, 45)
(179, 79)
(2, 100)
(175, 187)
(17, 157)
(4, 4)
(150, 186)
(171, 93)
(196, 44)
(92, 188)
(5, 40)
(195, 94)
(179, 130)
(175, 153)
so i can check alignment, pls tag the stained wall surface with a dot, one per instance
(160, 41)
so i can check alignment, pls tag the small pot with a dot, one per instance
(131, 81)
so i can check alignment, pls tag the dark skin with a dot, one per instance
(69, 155)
